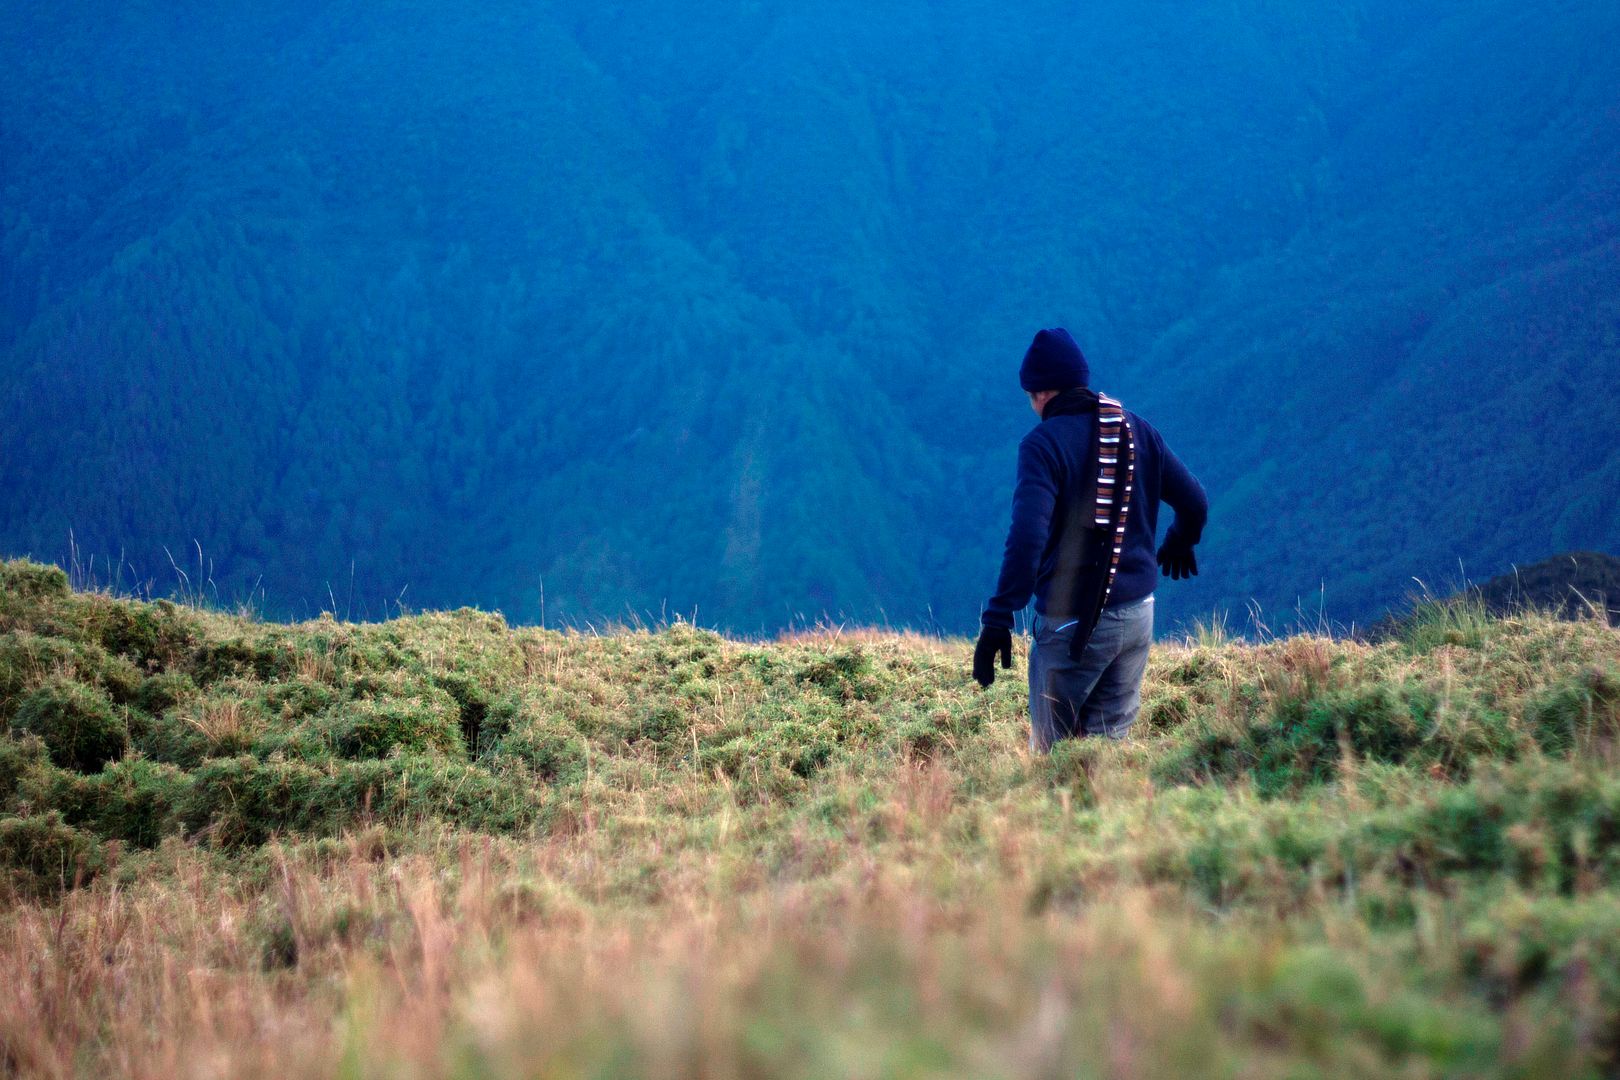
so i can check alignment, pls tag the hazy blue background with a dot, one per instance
(720, 305)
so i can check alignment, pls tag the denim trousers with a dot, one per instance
(1098, 694)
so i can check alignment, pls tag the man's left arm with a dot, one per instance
(1034, 501)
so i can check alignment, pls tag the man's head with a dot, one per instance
(1053, 363)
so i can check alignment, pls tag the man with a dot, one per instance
(1085, 517)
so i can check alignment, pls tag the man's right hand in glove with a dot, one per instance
(992, 640)
(1177, 560)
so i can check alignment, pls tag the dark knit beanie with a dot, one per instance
(1053, 362)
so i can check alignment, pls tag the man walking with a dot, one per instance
(1085, 517)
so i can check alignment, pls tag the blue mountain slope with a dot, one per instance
(719, 308)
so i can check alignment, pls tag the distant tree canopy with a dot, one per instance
(717, 310)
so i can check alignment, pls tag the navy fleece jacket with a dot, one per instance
(1053, 461)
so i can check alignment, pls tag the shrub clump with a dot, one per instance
(243, 656)
(25, 660)
(472, 706)
(133, 801)
(20, 758)
(378, 727)
(243, 802)
(163, 691)
(150, 634)
(1304, 741)
(78, 724)
(773, 760)
(549, 748)
(219, 723)
(929, 734)
(30, 580)
(846, 672)
(42, 855)
(1553, 826)
(1577, 712)
(1070, 766)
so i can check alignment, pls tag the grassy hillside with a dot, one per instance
(440, 846)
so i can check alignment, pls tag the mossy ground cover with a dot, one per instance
(440, 845)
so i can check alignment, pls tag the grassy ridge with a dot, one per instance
(440, 845)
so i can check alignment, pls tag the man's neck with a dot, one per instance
(1079, 401)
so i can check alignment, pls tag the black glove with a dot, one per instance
(992, 640)
(1177, 560)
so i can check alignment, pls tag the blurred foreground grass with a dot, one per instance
(440, 846)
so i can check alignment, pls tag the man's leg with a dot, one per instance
(1043, 721)
(1058, 684)
(1114, 701)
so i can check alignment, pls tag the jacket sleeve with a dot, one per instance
(1181, 489)
(1034, 501)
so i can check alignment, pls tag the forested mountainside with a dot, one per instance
(720, 311)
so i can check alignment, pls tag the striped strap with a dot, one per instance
(1113, 507)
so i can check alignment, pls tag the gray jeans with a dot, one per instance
(1099, 694)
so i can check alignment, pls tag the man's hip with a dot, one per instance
(1098, 693)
